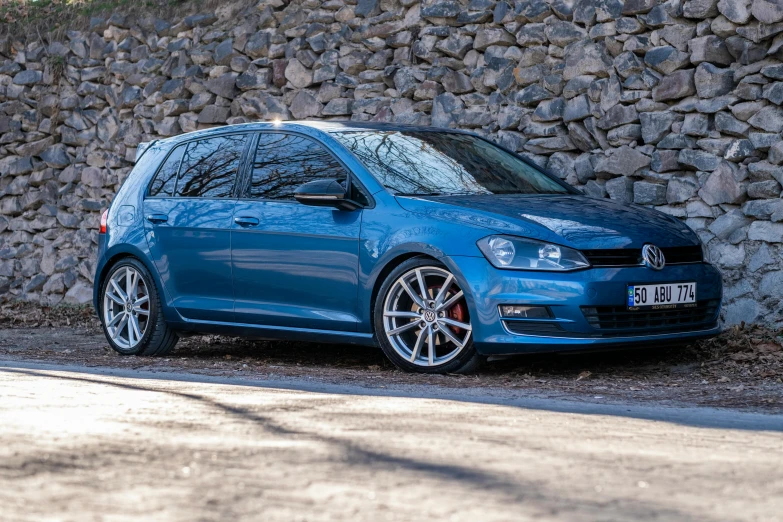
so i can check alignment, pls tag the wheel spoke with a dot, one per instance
(403, 328)
(141, 311)
(114, 298)
(447, 332)
(114, 320)
(134, 322)
(412, 294)
(443, 289)
(456, 324)
(131, 332)
(141, 300)
(120, 327)
(422, 285)
(431, 347)
(409, 315)
(451, 302)
(119, 291)
(419, 344)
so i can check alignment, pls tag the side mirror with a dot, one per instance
(324, 193)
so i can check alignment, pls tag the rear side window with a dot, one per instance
(165, 182)
(209, 167)
(283, 162)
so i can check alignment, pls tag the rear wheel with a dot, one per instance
(422, 320)
(131, 313)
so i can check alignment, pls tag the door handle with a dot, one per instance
(246, 221)
(157, 218)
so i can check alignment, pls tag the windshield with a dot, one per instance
(444, 163)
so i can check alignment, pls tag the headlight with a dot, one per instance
(528, 254)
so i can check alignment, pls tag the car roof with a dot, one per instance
(307, 127)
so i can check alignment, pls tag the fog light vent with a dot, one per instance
(524, 312)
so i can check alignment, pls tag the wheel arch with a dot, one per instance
(111, 261)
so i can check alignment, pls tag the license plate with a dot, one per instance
(662, 296)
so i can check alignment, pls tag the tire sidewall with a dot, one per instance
(462, 359)
(153, 305)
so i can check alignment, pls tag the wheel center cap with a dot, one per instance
(128, 306)
(429, 316)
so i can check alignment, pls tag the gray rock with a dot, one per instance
(664, 161)
(213, 114)
(56, 157)
(681, 188)
(728, 124)
(700, 8)
(28, 77)
(762, 208)
(766, 231)
(549, 110)
(674, 86)
(763, 257)
(622, 161)
(775, 154)
(647, 193)
(304, 105)
(456, 82)
(738, 150)
(666, 59)
(224, 85)
(728, 223)
(768, 11)
(634, 7)
(487, 37)
(699, 160)
(722, 186)
(225, 52)
(618, 115)
(562, 33)
(713, 81)
(299, 75)
(769, 119)
(655, 125)
(709, 49)
(742, 311)
(620, 189)
(764, 189)
(585, 57)
(577, 108)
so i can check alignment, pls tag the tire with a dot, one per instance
(156, 338)
(407, 332)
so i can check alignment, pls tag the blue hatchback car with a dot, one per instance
(437, 245)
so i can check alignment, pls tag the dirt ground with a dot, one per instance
(743, 368)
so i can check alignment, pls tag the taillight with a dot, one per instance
(104, 217)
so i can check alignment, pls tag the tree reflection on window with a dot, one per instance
(209, 167)
(283, 162)
(444, 163)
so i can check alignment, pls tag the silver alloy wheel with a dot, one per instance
(426, 307)
(126, 310)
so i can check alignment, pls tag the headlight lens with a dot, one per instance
(528, 254)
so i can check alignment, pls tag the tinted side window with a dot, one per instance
(284, 161)
(166, 179)
(209, 167)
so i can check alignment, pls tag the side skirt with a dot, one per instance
(274, 333)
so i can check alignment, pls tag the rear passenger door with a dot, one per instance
(188, 215)
(294, 265)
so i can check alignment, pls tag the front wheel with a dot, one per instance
(131, 314)
(422, 320)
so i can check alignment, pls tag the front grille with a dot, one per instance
(619, 320)
(534, 328)
(633, 256)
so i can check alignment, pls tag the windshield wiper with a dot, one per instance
(419, 194)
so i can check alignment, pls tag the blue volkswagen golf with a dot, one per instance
(437, 245)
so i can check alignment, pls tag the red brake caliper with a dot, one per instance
(458, 312)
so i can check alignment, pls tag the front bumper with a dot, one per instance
(587, 307)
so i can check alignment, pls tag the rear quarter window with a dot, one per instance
(165, 181)
(209, 167)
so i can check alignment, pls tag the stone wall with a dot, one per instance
(674, 105)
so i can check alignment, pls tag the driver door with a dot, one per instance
(294, 265)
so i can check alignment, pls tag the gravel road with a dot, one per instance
(150, 441)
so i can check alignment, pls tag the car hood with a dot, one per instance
(571, 220)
